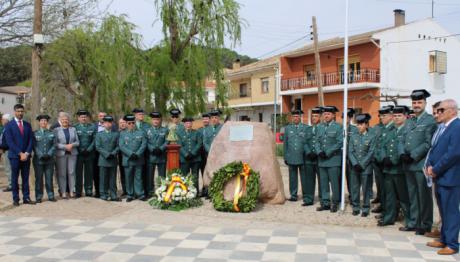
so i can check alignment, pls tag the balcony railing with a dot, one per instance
(330, 79)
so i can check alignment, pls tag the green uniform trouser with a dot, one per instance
(294, 172)
(420, 199)
(396, 189)
(378, 181)
(46, 170)
(318, 179)
(347, 178)
(151, 174)
(308, 183)
(84, 172)
(146, 176)
(133, 180)
(193, 167)
(108, 182)
(122, 173)
(359, 183)
(330, 177)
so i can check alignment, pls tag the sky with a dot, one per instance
(275, 26)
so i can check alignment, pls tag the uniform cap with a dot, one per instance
(82, 112)
(138, 110)
(175, 112)
(205, 115)
(155, 115)
(215, 112)
(107, 119)
(351, 112)
(363, 118)
(401, 110)
(330, 109)
(40, 117)
(386, 110)
(187, 119)
(317, 110)
(129, 118)
(420, 94)
(297, 112)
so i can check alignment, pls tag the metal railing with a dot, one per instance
(329, 79)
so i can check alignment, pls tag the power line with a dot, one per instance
(284, 46)
(424, 39)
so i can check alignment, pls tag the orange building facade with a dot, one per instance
(299, 83)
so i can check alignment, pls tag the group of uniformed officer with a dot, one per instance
(139, 147)
(393, 151)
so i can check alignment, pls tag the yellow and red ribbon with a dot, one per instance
(240, 189)
(175, 180)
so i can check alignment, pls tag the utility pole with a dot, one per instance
(36, 58)
(314, 34)
(432, 8)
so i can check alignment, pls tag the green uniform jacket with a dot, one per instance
(107, 146)
(361, 150)
(330, 141)
(391, 150)
(156, 139)
(382, 140)
(417, 141)
(190, 142)
(44, 145)
(86, 134)
(309, 145)
(132, 142)
(209, 134)
(294, 143)
(143, 126)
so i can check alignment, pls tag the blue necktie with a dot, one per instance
(438, 134)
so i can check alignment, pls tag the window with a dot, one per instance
(3, 100)
(261, 117)
(310, 72)
(298, 104)
(437, 62)
(264, 85)
(243, 90)
(245, 118)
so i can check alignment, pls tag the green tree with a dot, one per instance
(195, 32)
(15, 65)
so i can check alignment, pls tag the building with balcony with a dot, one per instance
(252, 91)
(384, 66)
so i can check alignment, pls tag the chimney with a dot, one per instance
(400, 17)
(236, 64)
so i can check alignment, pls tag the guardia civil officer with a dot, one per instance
(44, 159)
(132, 144)
(413, 151)
(107, 146)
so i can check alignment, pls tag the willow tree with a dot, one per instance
(194, 32)
(100, 68)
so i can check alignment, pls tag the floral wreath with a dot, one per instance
(176, 192)
(246, 189)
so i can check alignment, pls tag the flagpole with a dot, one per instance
(345, 109)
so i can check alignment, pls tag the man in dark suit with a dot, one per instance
(18, 136)
(443, 165)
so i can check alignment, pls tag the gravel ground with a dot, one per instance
(291, 213)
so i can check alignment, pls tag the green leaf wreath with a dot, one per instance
(180, 199)
(216, 189)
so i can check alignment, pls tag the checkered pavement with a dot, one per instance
(39, 239)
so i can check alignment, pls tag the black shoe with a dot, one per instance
(38, 201)
(78, 195)
(116, 199)
(375, 201)
(377, 210)
(292, 199)
(364, 214)
(334, 209)
(97, 195)
(28, 202)
(8, 189)
(52, 199)
(322, 208)
(382, 224)
(421, 232)
(406, 229)
(143, 198)
(129, 199)
(305, 204)
(16, 203)
(124, 194)
(355, 212)
(378, 216)
(104, 198)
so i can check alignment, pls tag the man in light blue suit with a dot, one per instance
(443, 165)
(18, 136)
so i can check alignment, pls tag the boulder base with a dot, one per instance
(260, 154)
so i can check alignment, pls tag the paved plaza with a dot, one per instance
(45, 239)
